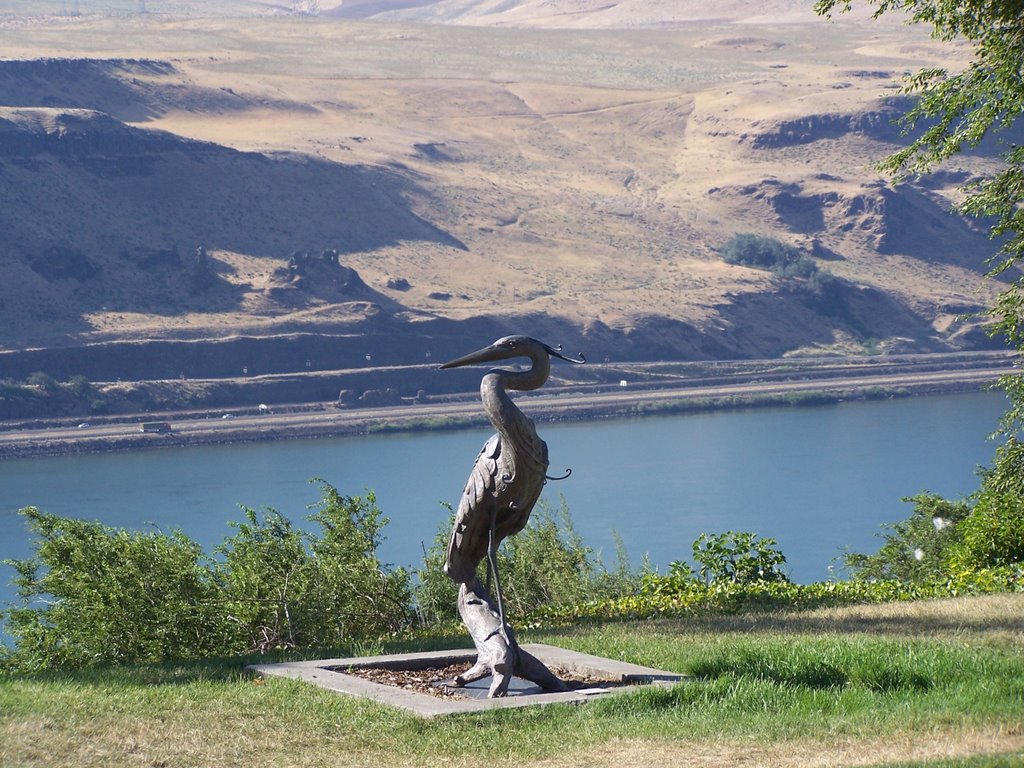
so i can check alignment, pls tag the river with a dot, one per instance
(816, 478)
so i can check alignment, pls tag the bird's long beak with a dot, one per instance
(486, 355)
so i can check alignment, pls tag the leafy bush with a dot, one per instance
(950, 541)
(43, 380)
(80, 386)
(761, 252)
(434, 594)
(741, 558)
(352, 595)
(954, 547)
(825, 287)
(549, 565)
(777, 257)
(258, 578)
(785, 261)
(94, 594)
(679, 578)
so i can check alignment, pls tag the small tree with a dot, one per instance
(44, 381)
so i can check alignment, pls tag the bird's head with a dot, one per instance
(508, 347)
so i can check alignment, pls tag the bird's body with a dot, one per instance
(503, 486)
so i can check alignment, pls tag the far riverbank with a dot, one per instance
(555, 403)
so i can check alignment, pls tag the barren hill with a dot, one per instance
(572, 170)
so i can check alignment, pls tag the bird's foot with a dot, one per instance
(477, 672)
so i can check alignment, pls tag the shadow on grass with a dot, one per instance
(809, 673)
(881, 676)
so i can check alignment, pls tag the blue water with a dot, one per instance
(817, 479)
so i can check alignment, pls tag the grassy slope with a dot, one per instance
(856, 686)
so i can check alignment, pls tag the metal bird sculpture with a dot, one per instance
(503, 487)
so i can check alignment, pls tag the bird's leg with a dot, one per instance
(503, 668)
(492, 561)
(490, 541)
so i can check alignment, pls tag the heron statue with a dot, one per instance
(503, 486)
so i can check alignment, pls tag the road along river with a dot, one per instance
(551, 404)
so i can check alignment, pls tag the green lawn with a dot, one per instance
(932, 683)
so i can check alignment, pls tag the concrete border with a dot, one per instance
(325, 673)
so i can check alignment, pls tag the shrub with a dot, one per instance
(285, 588)
(785, 261)
(915, 549)
(94, 594)
(549, 565)
(12, 393)
(80, 386)
(992, 535)
(97, 594)
(435, 595)
(741, 558)
(825, 287)
(761, 252)
(43, 380)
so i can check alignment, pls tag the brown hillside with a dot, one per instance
(248, 172)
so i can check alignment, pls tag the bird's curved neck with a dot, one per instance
(501, 411)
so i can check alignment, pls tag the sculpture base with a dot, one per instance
(334, 675)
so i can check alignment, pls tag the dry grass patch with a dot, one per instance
(802, 754)
(995, 618)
